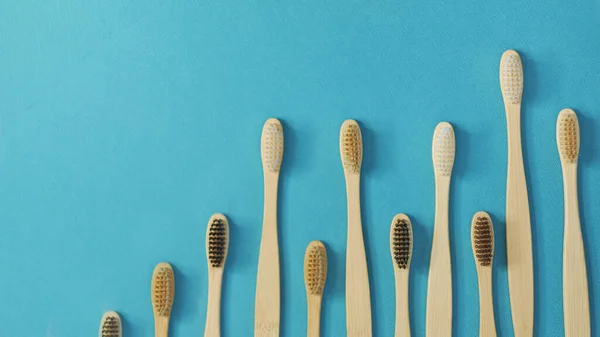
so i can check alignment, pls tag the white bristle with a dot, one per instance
(511, 77)
(272, 145)
(443, 149)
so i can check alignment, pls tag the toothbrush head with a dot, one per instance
(315, 268)
(567, 136)
(351, 146)
(110, 326)
(511, 77)
(444, 148)
(163, 289)
(401, 241)
(217, 241)
(271, 148)
(482, 239)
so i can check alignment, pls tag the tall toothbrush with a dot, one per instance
(575, 285)
(358, 297)
(266, 313)
(518, 223)
(439, 289)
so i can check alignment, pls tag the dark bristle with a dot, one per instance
(217, 242)
(401, 245)
(111, 327)
(483, 241)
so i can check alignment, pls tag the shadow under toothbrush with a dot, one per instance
(530, 82)
(587, 158)
(368, 166)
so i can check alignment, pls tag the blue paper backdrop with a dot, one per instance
(125, 124)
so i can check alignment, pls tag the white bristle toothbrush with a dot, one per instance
(267, 305)
(401, 242)
(482, 240)
(217, 246)
(358, 297)
(439, 289)
(575, 284)
(518, 222)
(110, 326)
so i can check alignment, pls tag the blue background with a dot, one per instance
(125, 124)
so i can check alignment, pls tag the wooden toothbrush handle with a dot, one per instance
(267, 313)
(358, 297)
(518, 234)
(439, 289)
(161, 327)
(575, 284)
(213, 311)
(402, 311)
(487, 324)
(314, 316)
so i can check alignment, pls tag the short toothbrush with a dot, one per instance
(163, 294)
(518, 223)
(401, 242)
(482, 240)
(358, 297)
(315, 275)
(439, 286)
(217, 246)
(575, 285)
(110, 325)
(267, 305)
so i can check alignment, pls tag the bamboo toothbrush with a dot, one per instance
(482, 240)
(575, 285)
(266, 320)
(439, 288)
(315, 275)
(163, 293)
(358, 297)
(217, 246)
(401, 242)
(110, 326)
(518, 223)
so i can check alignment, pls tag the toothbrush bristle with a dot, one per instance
(110, 325)
(163, 289)
(511, 77)
(315, 267)
(444, 149)
(567, 134)
(351, 146)
(218, 241)
(482, 238)
(272, 145)
(401, 241)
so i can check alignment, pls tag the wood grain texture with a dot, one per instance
(439, 286)
(267, 304)
(575, 282)
(518, 223)
(358, 296)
